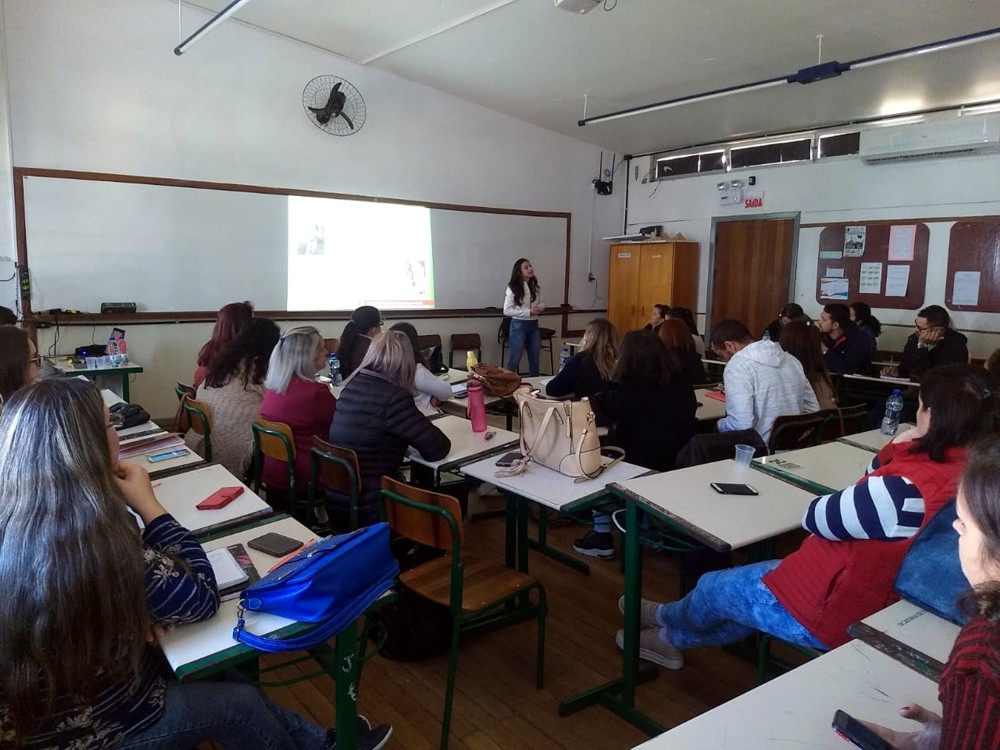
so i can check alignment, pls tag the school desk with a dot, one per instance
(872, 440)
(466, 446)
(821, 469)
(116, 377)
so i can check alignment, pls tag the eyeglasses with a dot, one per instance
(36, 360)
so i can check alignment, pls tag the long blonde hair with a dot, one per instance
(391, 355)
(600, 340)
(71, 561)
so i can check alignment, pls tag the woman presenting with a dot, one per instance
(523, 304)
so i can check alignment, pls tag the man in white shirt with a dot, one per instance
(762, 380)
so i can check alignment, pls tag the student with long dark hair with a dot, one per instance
(364, 324)
(228, 324)
(233, 391)
(676, 337)
(844, 571)
(685, 314)
(20, 364)
(791, 311)
(523, 304)
(868, 324)
(802, 341)
(428, 389)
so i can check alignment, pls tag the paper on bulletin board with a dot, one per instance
(897, 279)
(871, 279)
(835, 273)
(831, 254)
(833, 288)
(966, 288)
(854, 241)
(901, 241)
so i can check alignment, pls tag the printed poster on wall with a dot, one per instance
(835, 287)
(854, 241)
(871, 279)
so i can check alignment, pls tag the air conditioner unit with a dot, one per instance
(963, 136)
(577, 6)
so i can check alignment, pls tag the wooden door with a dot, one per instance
(751, 278)
(623, 284)
(655, 279)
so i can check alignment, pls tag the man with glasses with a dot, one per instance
(932, 344)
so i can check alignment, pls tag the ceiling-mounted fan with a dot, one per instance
(334, 105)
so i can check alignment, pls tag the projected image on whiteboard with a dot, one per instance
(343, 254)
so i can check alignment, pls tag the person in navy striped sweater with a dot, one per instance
(87, 596)
(970, 686)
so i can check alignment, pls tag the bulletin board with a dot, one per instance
(973, 278)
(881, 263)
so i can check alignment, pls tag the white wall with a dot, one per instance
(840, 190)
(95, 86)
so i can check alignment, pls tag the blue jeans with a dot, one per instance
(235, 714)
(729, 605)
(524, 334)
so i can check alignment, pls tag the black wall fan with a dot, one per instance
(334, 105)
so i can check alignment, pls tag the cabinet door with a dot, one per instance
(655, 279)
(623, 282)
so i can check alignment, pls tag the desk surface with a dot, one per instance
(180, 493)
(795, 710)
(872, 440)
(466, 446)
(548, 487)
(901, 383)
(722, 522)
(710, 408)
(822, 468)
(160, 467)
(189, 645)
(916, 628)
(61, 364)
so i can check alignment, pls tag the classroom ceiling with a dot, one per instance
(528, 59)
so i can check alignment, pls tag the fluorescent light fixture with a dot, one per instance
(218, 18)
(979, 109)
(907, 120)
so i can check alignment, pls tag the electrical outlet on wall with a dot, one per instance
(591, 277)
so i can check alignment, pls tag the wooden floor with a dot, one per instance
(496, 702)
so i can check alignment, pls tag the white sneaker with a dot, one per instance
(652, 648)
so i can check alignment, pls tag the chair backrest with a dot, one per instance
(797, 431)
(503, 332)
(183, 389)
(718, 446)
(200, 415)
(845, 420)
(332, 345)
(546, 334)
(425, 517)
(429, 340)
(336, 468)
(466, 341)
(274, 440)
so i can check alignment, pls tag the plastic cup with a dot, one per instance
(743, 455)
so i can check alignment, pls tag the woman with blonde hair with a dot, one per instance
(377, 418)
(588, 372)
(88, 594)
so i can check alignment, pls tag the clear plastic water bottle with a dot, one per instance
(564, 356)
(893, 407)
(334, 365)
(767, 335)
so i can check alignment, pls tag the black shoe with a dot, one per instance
(367, 738)
(596, 544)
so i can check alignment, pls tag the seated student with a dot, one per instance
(657, 315)
(992, 363)
(651, 410)
(7, 317)
(365, 322)
(428, 389)
(932, 344)
(588, 372)
(684, 314)
(233, 391)
(294, 397)
(846, 350)
(82, 633)
(377, 419)
(676, 336)
(762, 381)
(791, 311)
(231, 320)
(970, 686)
(19, 361)
(844, 571)
(868, 324)
(802, 341)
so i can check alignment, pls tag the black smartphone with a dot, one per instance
(857, 733)
(733, 489)
(276, 545)
(508, 459)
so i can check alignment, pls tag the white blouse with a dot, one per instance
(512, 310)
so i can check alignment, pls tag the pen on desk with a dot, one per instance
(489, 435)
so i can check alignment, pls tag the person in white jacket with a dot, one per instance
(428, 389)
(762, 381)
(523, 304)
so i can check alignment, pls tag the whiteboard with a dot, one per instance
(173, 248)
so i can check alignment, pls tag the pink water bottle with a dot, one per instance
(477, 406)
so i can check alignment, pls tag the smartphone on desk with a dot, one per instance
(220, 498)
(508, 459)
(157, 457)
(857, 733)
(733, 489)
(276, 545)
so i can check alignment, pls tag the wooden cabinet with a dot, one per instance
(644, 274)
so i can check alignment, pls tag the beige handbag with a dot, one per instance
(561, 435)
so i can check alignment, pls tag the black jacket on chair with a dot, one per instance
(378, 420)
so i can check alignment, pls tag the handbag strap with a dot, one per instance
(541, 430)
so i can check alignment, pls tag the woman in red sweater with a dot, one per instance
(970, 686)
(844, 570)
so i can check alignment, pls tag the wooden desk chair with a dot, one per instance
(183, 389)
(200, 417)
(428, 340)
(337, 469)
(845, 420)
(275, 440)
(182, 423)
(476, 592)
(795, 431)
(332, 345)
(464, 342)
